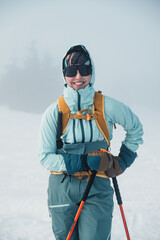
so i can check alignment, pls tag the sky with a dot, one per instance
(122, 37)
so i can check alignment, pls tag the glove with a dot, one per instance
(115, 169)
(96, 160)
(111, 165)
(100, 161)
(107, 163)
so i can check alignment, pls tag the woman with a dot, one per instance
(77, 151)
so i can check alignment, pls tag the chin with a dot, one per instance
(79, 88)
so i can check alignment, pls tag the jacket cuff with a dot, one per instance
(127, 157)
(93, 162)
(73, 163)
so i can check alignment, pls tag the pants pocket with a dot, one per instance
(62, 218)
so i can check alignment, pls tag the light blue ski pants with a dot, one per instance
(96, 216)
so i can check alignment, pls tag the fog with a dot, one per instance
(122, 37)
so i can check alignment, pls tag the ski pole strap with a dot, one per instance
(116, 188)
(85, 195)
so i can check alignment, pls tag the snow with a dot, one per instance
(23, 183)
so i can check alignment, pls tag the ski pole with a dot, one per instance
(119, 201)
(85, 195)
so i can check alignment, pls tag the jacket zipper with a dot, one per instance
(74, 135)
(81, 123)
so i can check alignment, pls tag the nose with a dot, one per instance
(78, 75)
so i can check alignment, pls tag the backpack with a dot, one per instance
(98, 115)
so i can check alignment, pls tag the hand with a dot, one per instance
(107, 163)
(98, 160)
(115, 169)
(101, 161)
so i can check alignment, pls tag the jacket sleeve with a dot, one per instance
(117, 112)
(47, 141)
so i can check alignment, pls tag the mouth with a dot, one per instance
(78, 83)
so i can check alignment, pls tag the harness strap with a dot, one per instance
(80, 175)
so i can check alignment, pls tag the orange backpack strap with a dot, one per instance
(63, 107)
(98, 114)
(98, 109)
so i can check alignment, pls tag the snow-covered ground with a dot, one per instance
(23, 183)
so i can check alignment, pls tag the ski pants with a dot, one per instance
(64, 196)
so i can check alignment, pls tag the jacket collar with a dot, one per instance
(84, 97)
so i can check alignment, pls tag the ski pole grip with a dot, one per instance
(92, 177)
(116, 188)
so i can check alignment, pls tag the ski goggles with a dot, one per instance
(71, 71)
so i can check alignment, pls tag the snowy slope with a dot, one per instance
(23, 183)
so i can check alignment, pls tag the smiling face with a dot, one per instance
(77, 70)
(78, 82)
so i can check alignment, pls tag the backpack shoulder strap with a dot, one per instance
(63, 107)
(98, 109)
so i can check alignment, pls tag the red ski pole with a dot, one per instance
(119, 201)
(85, 195)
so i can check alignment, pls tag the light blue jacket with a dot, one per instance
(83, 130)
